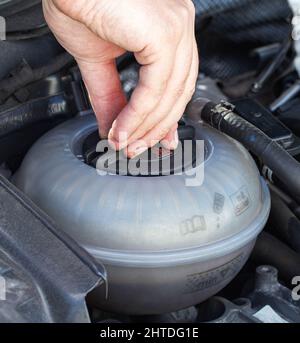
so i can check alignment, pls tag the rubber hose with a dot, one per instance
(284, 166)
(289, 202)
(271, 251)
(284, 223)
(9, 86)
(32, 112)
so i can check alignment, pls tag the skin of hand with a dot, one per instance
(162, 37)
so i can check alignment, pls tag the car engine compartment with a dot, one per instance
(134, 248)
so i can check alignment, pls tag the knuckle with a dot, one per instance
(185, 12)
(190, 5)
(175, 27)
(173, 31)
(178, 20)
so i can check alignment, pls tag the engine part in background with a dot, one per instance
(266, 53)
(260, 116)
(205, 88)
(166, 246)
(270, 250)
(24, 19)
(45, 275)
(263, 119)
(226, 38)
(267, 301)
(269, 292)
(37, 108)
(129, 78)
(288, 200)
(289, 115)
(286, 96)
(27, 75)
(283, 223)
(271, 67)
(46, 102)
(222, 117)
(220, 28)
(37, 52)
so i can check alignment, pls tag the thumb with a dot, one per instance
(104, 87)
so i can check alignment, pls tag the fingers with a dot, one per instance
(95, 58)
(164, 130)
(149, 92)
(105, 91)
(148, 108)
(160, 34)
(171, 140)
(175, 88)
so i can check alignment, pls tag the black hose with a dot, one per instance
(27, 76)
(35, 33)
(284, 166)
(287, 199)
(35, 111)
(285, 225)
(270, 69)
(271, 251)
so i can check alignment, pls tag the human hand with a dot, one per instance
(161, 36)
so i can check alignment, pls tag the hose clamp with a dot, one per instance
(219, 112)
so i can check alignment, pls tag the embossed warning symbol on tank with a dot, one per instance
(241, 201)
(219, 202)
(200, 281)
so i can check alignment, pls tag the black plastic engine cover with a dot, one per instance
(44, 275)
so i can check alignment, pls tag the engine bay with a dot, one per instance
(86, 239)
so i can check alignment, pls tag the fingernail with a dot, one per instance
(137, 151)
(175, 142)
(118, 144)
(113, 144)
(120, 138)
(171, 145)
(111, 135)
